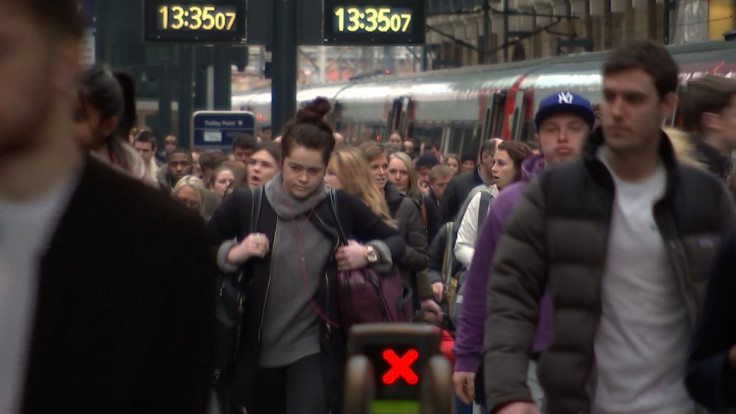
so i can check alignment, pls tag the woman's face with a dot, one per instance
(223, 180)
(453, 165)
(303, 171)
(468, 166)
(398, 174)
(332, 180)
(189, 197)
(379, 170)
(503, 169)
(261, 168)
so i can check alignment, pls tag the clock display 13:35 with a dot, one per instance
(370, 19)
(196, 17)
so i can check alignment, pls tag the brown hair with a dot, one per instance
(308, 129)
(372, 150)
(708, 94)
(240, 171)
(517, 151)
(649, 56)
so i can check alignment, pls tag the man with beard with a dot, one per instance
(105, 302)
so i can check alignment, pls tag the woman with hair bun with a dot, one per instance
(105, 116)
(293, 348)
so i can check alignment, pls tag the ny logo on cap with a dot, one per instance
(564, 97)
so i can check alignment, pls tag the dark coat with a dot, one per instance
(232, 220)
(710, 378)
(124, 320)
(536, 253)
(456, 192)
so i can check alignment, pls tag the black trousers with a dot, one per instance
(298, 388)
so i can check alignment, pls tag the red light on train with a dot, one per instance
(400, 367)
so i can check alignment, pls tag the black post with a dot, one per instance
(484, 45)
(223, 78)
(164, 100)
(505, 31)
(186, 79)
(283, 84)
(666, 22)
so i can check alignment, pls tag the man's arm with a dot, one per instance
(516, 282)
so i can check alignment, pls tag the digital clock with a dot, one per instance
(194, 21)
(369, 22)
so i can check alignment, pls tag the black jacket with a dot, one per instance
(124, 319)
(232, 220)
(711, 379)
(457, 190)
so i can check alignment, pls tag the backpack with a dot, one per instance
(457, 299)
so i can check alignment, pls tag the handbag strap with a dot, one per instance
(256, 196)
(342, 238)
(448, 254)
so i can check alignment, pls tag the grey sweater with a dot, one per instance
(290, 322)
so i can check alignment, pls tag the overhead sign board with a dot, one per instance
(372, 22)
(217, 129)
(218, 21)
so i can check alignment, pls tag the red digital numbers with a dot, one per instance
(400, 367)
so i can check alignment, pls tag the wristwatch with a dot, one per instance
(370, 254)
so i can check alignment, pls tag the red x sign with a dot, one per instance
(400, 366)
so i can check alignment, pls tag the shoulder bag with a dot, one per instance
(364, 296)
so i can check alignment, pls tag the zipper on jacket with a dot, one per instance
(268, 285)
(675, 249)
(327, 305)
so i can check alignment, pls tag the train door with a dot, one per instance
(517, 116)
(493, 120)
(399, 116)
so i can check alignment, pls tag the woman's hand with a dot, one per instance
(254, 245)
(351, 256)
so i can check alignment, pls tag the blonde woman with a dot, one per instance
(189, 191)
(402, 173)
(348, 171)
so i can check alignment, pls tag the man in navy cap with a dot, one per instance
(563, 121)
(620, 240)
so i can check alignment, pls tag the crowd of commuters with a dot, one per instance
(595, 265)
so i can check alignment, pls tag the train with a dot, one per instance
(459, 108)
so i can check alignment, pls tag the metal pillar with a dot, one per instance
(283, 84)
(164, 100)
(485, 44)
(505, 31)
(223, 78)
(185, 98)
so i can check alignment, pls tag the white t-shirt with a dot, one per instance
(25, 231)
(642, 341)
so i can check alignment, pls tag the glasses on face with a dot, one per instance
(227, 181)
(189, 203)
(393, 171)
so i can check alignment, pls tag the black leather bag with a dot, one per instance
(230, 303)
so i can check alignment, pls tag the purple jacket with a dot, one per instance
(472, 317)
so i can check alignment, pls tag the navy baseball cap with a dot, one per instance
(565, 102)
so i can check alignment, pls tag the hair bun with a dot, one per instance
(314, 111)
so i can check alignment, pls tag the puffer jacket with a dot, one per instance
(557, 238)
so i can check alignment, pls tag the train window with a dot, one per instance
(528, 130)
